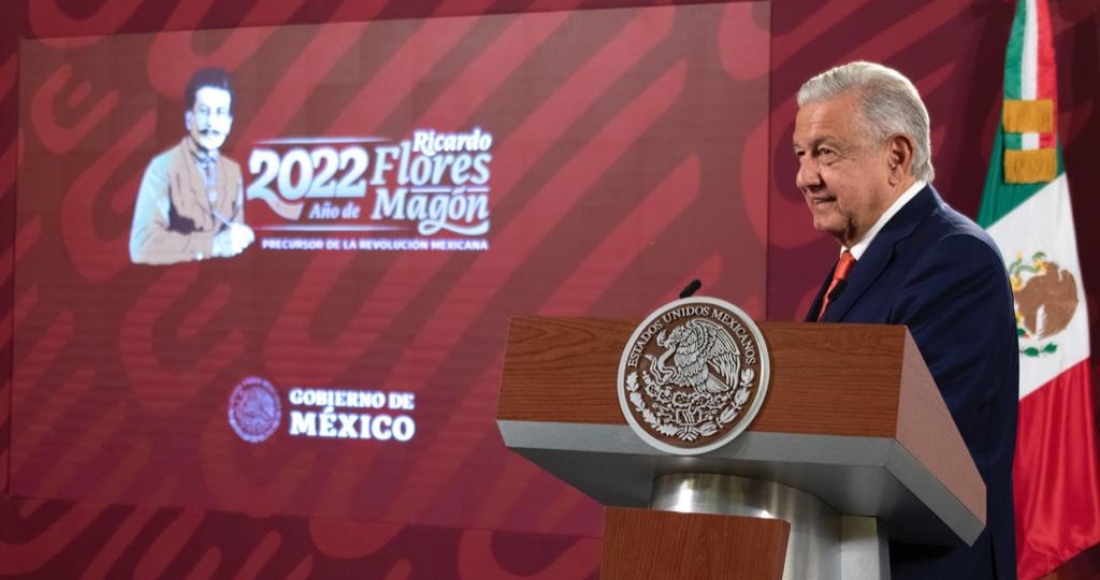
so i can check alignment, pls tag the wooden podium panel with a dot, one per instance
(852, 417)
(644, 544)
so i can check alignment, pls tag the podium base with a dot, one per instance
(823, 544)
(641, 544)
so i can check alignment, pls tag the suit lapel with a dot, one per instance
(881, 252)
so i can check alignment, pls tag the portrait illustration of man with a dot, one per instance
(190, 205)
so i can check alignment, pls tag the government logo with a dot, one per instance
(254, 410)
(693, 375)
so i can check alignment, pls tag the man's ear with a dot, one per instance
(187, 118)
(899, 158)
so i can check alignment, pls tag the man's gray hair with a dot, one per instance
(889, 104)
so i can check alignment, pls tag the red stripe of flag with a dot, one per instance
(1056, 473)
(1045, 85)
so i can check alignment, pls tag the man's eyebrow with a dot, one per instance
(813, 143)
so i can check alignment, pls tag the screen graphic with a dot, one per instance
(272, 268)
(429, 191)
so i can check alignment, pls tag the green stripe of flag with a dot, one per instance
(1014, 56)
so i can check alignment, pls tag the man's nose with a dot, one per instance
(809, 175)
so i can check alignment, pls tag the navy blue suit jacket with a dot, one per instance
(935, 271)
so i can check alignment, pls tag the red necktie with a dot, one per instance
(843, 266)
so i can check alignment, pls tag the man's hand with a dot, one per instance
(233, 240)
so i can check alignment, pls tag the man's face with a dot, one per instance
(844, 177)
(210, 120)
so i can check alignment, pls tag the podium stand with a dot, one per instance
(853, 447)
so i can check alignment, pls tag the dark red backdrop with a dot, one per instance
(953, 49)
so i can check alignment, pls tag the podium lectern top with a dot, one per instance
(852, 416)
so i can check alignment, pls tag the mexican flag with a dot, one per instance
(1026, 208)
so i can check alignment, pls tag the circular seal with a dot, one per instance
(254, 409)
(693, 375)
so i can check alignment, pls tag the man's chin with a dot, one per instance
(823, 223)
(210, 144)
(829, 226)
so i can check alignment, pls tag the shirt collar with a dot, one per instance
(861, 246)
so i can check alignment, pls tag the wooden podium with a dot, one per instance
(853, 447)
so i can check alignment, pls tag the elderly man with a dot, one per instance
(865, 171)
(190, 205)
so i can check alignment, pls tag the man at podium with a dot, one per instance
(865, 170)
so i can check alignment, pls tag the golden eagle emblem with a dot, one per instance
(704, 357)
(693, 375)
